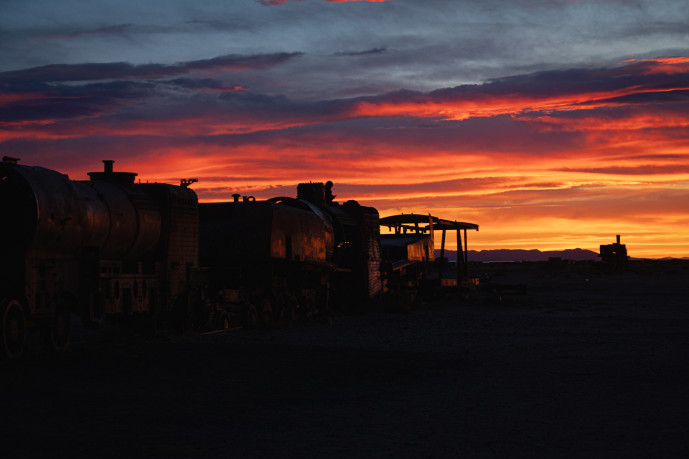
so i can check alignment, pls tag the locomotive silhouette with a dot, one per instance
(111, 248)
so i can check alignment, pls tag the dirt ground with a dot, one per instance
(587, 363)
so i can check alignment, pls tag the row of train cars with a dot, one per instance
(117, 250)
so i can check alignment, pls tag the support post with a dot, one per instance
(442, 245)
(460, 258)
(466, 255)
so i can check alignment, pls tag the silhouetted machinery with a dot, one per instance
(272, 262)
(409, 253)
(352, 243)
(615, 254)
(263, 261)
(149, 253)
(104, 247)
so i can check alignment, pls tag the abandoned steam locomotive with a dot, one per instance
(112, 248)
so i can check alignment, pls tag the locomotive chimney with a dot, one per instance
(236, 197)
(312, 192)
(618, 238)
(121, 178)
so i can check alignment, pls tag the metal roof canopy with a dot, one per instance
(402, 220)
(403, 223)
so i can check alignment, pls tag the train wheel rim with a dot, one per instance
(267, 314)
(60, 331)
(280, 314)
(224, 320)
(13, 329)
(251, 317)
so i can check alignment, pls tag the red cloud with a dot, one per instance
(668, 65)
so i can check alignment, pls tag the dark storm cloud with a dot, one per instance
(203, 84)
(49, 102)
(117, 29)
(362, 53)
(654, 96)
(238, 62)
(570, 81)
(50, 91)
(122, 70)
(88, 72)
(587, 88)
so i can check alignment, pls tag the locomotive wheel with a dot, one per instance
(183, 314)
(13, 329)
(59, 330)
(283, 313)
(251, 317)
(267, 314)
(292, 310)
(307, 308)
(223, 320)
(280, 315)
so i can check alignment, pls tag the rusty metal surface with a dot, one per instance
(47, 214)
(52, 216)
(324, 216)
(134, 220)
(256, 230)
(407, 247)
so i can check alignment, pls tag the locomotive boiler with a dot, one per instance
(97, 248)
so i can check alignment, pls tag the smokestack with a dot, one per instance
(618, 238)
(236, 197)
(122, 178)
(312, 192)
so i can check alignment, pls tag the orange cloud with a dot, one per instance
(668, 66)
(480, 105)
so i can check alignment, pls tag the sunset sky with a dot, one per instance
(552, 124)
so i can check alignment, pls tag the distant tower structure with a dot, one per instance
(614, 254)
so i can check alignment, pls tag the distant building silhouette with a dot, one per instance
(614, 254)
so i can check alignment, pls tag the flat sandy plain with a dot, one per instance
(589, 363)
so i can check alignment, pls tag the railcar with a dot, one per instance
(265, 263)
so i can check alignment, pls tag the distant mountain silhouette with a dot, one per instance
(524, 255)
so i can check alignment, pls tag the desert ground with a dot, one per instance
(589, 362)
